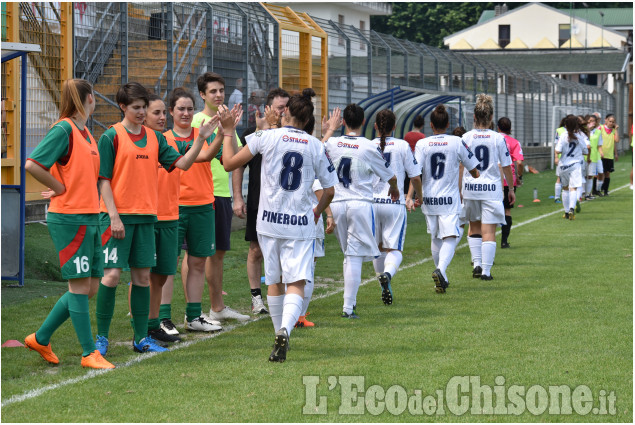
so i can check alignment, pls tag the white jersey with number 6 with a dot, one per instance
(490, 149)
(291, 161)
(357, 160)
(398, 154)
(439, 157)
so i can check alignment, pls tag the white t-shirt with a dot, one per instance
(490, 149)
(439, 157)
(291, 161)
(357, 160)
(234, 98)
(398, 154)
(572, 151)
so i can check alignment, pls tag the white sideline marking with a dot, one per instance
(94, 373)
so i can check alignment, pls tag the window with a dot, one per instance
(589, 79)
(362, 28)
(564, 33)
(503, 35)
(340, 21)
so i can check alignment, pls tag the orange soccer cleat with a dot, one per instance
(44, 350)
(303, 323)
(95, 361)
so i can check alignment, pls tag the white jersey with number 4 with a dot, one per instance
(357, 160)
(439, 157)
(291, 161)
(490, 149)
(398, 154)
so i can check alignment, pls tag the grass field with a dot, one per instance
(559, 312)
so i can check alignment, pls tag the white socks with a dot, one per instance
(378, 263)
(352, 280)
(573, 198)
(565, 200)
(589, 186)
(489, 252)
(579, 192)
(475, 249)
(435, 247)
(276, 304)
(598, 185)
(558, 190)
(308, 291)
(393, 260)
(446, 254)
(291, 311)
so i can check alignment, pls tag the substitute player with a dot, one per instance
(440, 158)
(610, 138)
(483, 196)
(128, 183)
(291, 160)
(358, 161)
(516, 152)
(67, 162)
(390, 216)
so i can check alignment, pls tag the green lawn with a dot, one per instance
(558, 312)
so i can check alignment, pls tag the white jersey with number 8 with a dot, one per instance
(291, 161)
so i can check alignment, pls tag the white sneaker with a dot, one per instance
(201, 324)
(227, 313)
(168, 327)
(257, 305)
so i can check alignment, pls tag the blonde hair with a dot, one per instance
(74, 94)
(483, 110)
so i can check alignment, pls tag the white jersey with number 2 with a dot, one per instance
(291, 161)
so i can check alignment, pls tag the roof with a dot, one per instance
(559, 62)
(613, 17)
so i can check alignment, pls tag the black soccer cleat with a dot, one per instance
(162, 336)
(486, 277)
(505, 245)
(280, 346)
(476, 273)
(440, 284)
(386, 291)
(571, 214)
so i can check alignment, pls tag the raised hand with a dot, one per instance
(226, 118)
(208, 126)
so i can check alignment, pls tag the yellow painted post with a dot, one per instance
(10, 168)
(325, 77)
(305, 65)
(66, 42)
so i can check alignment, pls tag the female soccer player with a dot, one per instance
(516, 152)
(358, 161)
(291, 160)
(390, 216)
(483, 195)
(595, 172)
(439, 157)
(128, 182)
(573, 144)
(67, 162)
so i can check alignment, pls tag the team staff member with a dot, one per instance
(390, 216)
(211, 88)
(609, 137)
(516, 152)
(128, 182)
(67, 162)
(291, 160)
(482, 196)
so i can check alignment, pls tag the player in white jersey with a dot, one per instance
(572, 144)
(357, 161)
(483, 196)
(291, 161)
(440, 157)
(390, 216)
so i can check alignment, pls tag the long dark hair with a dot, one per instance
(385, 122)
(301, 106)
(571, 124)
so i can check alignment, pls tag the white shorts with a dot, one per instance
(462, 219)
(595, 168)
(583, 170)
(557, 171)
(286, 260)
(442, 226)
(571, 176)
(487, 211)
(355, 228)
(318, 248)
(390, 225)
